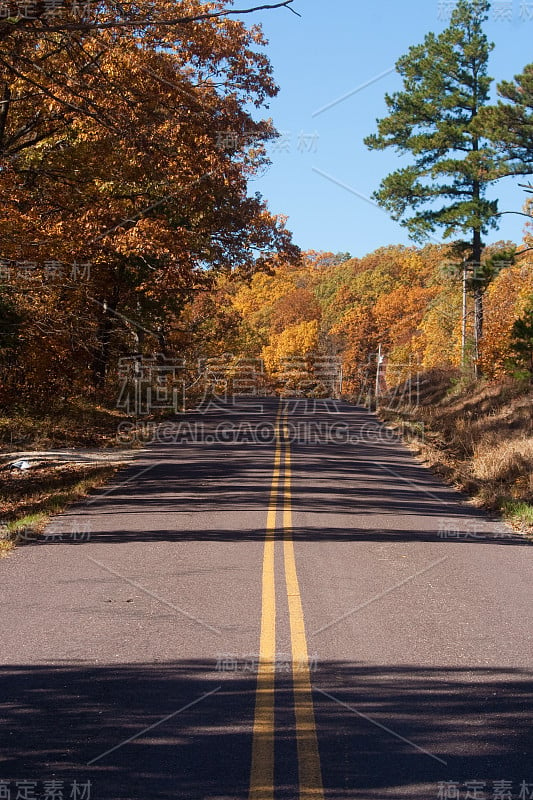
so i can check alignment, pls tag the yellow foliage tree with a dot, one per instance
(255, 300)
(440, 329)
(399, 313)
(357, 336)
(506, 300)
(295, 342)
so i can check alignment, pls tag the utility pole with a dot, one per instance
(378, 375)
(478, 319)
(465, 312)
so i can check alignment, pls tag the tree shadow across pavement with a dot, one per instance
(183, 729)
(338, 493)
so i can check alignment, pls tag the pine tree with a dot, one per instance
(509, 125)
(433, 120)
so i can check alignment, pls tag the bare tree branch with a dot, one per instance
(87, 26)
(96, 116)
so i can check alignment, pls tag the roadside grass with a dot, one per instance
(69, 423)
(478, 436)
(29, 498)
(519, 513)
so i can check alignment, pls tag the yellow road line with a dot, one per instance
(309, 771)
(262, 770)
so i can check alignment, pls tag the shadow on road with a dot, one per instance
(57, 719)
(368, 492)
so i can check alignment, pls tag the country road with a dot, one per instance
(274, 601)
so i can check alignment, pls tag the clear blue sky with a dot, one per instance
(333, 50)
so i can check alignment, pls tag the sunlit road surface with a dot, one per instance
(274, 601)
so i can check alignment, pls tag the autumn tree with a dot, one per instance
(440, 328)
(296, 342)
(357, 337)
(445, 85)
(506, 301)
(40, 18)
(522, 340)
(297, 306)
(135, 155)
(399, 314)
(256, 299)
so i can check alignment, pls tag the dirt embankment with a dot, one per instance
(478, 436)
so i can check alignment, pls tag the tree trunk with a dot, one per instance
(103, 338)
(4, 110)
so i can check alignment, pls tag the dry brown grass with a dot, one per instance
(506, 461)
(477, 436)
(73, 423)
(29, 498)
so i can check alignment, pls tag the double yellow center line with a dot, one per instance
(262, 781)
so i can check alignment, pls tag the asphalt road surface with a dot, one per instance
(274, 601)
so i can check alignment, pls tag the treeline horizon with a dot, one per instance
(128, 228)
